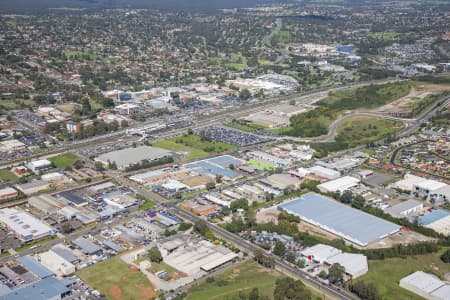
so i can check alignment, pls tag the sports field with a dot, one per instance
(117, 281)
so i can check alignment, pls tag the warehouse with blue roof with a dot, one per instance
(343, 221)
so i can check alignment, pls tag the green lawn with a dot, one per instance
(363, 130)
(284, 36)
(147, 205)
(114, 279)
(236, 67)
(64, 160)
(386, 274)
(193, 146)
(7, 175)
(243, 278)
(261, 165)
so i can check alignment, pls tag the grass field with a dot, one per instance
(147, 205)
(243, 278)
(386, 274)
(284, 36)
(7, 175)
(245, 126)
(193, 146)
(114, 279)
(363, 130)
(64, 160)
(261, 165)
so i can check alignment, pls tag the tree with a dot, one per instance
(323, 274)
(292, 102)
(184, 226)
(231, 167)
(155, 255)
(210, 186)
(358, 202)
(279, 249)
(254, 294)
(190, 131)
(66, 228)
(445, 257)
(201, 227)
(336, 273)
(346, 197)
(245, 94)
(290, 257)
(287, 288)
(241, 203)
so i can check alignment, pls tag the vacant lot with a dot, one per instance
(316, 122)
(242, 278)
(114, 279)
(386, 274)
(64, 160)
(193, 146)
(363, 130)
(6, 175)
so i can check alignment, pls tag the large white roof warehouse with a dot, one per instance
(129, 156)
(346, 222)
(338, 185)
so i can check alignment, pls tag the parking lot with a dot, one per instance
(231, 136)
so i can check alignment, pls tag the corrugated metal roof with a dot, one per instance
(44, 289)
(35, 267)
(87, 246)
(344, 221)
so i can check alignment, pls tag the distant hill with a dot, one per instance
(24, 6)
(29, 5)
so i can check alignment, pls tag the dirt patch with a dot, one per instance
(416, 94)
(146, 292)
(115, 292)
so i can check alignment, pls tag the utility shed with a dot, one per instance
(425, 285)
(355, 264)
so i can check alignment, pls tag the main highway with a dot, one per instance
(200, 121)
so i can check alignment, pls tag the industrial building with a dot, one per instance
(8, 193)
(324, 173)
(405, 208)
(25, 226)
(46, 204)
(130, 156)
(56, 263)
(33, 187)
(408, 182)
(86, 246)
(282, 181)
(39, 165)
(348, 223)
(339, 185)
(427, 187)
(45, 289)
(121, 201)
(426, 285)
(355, 265)
(320, 253)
